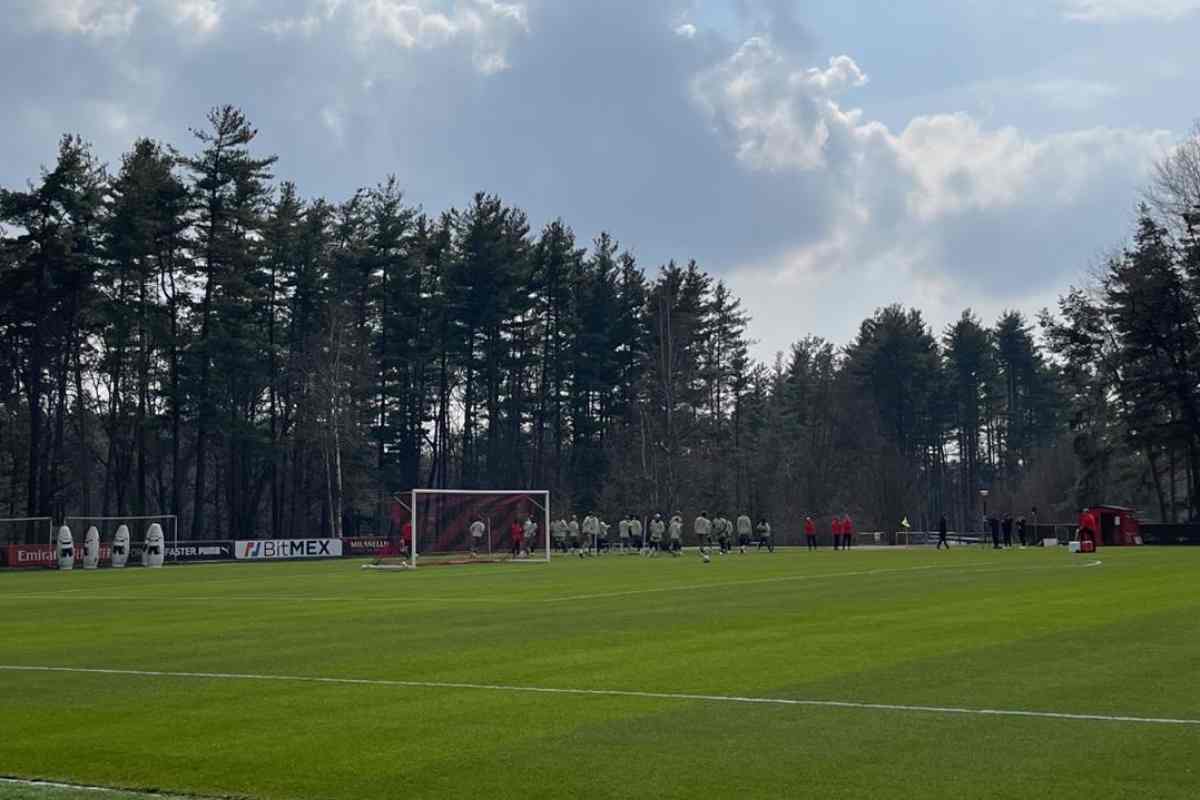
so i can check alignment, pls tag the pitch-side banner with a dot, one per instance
(364, 545)
(26, 556)
(186, 552)
(276, 549)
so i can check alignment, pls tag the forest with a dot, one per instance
(187, 333)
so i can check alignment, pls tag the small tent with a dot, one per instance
(1118, 526)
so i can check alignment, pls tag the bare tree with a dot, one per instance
(1174, 190)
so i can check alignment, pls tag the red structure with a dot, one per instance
(1116, 526)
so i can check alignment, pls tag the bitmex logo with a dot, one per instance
(267, 549)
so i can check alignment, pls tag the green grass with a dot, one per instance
(1031, 630)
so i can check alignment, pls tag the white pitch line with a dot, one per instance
(708, 698)
(84, 788)
(167, 599)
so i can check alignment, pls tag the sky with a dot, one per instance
(824, 157)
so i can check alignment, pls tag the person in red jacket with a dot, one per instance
(517, 532)
(835, 527)
(810, 533)
(847, 531)
(406, 538)
(1087, 526)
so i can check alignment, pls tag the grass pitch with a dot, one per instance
(1029, 630)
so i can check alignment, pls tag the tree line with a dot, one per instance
(186, 334)
(1129, 344)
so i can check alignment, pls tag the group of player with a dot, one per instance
(592, 536)
(660, 535)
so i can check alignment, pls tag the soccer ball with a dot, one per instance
(707, 558)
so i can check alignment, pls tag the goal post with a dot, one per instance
(442, 520)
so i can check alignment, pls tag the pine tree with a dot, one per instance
(231, 191)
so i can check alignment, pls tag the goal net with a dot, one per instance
(137, 527)
(469, 527)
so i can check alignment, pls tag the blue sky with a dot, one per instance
(823, 157)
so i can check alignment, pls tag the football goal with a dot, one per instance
(451, 526)
(26, 530)
(137, 527)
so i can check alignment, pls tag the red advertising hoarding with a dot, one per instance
(25, 556)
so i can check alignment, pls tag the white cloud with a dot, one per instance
(488, 25)
(1122, 10)
(903, 202)
(199, 16)
(105, 19)
(318, 14)
(842, 74)
(778, 117)
(687, 30)
(99, 18)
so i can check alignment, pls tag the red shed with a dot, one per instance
(1118, 526)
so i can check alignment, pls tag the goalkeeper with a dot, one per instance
(406, 539)
(477, 531)
(745, 529)
(657, 529)
(517, 532)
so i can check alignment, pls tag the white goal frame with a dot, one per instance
(48, 520)
(533, 494)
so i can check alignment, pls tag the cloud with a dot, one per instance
(200, 16)
(777, 117)
(1124, 10)
(413, 24)
(945, 208)
(98, 18)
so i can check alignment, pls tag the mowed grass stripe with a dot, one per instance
(546, 690)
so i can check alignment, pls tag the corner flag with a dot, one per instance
(904, 523)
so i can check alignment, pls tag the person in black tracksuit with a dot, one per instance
(942, 540)
(994, 523)
(1021, 530)
(1008, 526)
